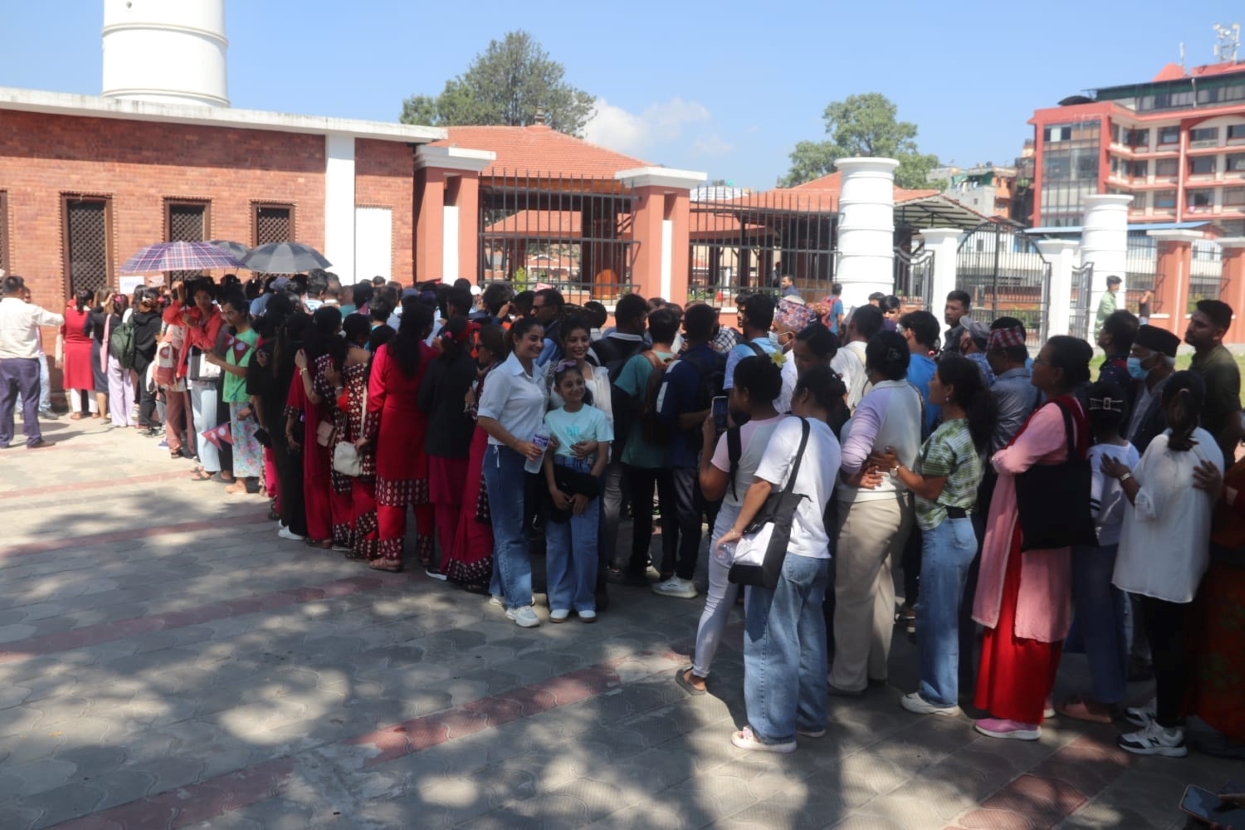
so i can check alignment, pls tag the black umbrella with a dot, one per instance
(237, 249)
(284, 258)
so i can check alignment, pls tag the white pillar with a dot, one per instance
(944, 243)
(1061, 254)
(339, 212)
(1104, 240)
(866, 228)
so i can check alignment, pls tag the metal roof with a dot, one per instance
(1146, 226)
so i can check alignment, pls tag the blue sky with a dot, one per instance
(725, 87)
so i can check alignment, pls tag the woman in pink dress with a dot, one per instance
(78, 379)
(469, 562)
(1024, 600)
(395, 427)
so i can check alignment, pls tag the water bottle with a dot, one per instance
(541, 440)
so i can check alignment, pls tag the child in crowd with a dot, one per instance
(1098, 606)
(573, 517)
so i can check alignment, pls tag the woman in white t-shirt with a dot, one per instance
(785, 635)
(1164, 551)
(758, 382)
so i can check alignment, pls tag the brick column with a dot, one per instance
(1171, 280)
(1234, 286)
(456, 171)
(661, 232)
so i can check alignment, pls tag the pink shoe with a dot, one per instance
(1008, 729)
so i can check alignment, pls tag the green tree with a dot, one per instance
(512, 82)
(863, 125)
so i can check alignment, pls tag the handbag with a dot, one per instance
(198, 367)
(1053, 500)
(760, 554)
(347, 460)
(573, 483)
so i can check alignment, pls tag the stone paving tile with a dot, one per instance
(121, 726)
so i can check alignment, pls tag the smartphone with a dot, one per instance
(719, 413)
(1210, 808)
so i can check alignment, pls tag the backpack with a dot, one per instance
(623, 405)
(654, 430)
(123, 343)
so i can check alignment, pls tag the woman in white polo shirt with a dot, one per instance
(511, 411)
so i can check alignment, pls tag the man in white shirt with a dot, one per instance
(19, 361)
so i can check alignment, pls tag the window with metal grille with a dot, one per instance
(87, 235)
(186, 221)
(4, 232)
(272, 223)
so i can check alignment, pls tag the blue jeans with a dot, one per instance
(947, 551)
(785, 652)
(505, 478)
(1099, 609)
(571, 552)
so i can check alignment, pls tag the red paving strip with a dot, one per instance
(207, 800)
(1054, 789)
(130, 535)
(195, 803)
(91, 635)
(394, 742)
(95, 485)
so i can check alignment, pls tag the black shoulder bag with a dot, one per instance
(775, 518)
(1053, 500)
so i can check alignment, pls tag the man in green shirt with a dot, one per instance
(646, 463)
(1107, 305)
(1219, 371)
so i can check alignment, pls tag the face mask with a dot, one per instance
(1135, 369)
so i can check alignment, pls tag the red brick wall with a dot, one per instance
(138, 165)
(384, 177)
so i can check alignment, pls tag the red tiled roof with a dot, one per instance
(540, 151)
(1174, 71)
(833, 184)
(548, 224)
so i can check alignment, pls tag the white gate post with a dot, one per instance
(1104, 242)
(1061, 254)
(866, 228)
(944, 243)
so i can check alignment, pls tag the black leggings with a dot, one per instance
(1164, 622)
(642, 480)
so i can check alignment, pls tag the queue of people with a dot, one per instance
(495, 420)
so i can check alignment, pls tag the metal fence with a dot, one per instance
(1080, 323)
(1006, 275)
(752, 241)
(572, 233)
(914, 276)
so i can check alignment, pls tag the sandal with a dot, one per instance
(385, 565)
(238, 488)
(686, 685)
(76, 416)
(227, 478)
(1081, 707)
(202, 475)
(322, 544)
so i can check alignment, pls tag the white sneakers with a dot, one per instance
(559, 615)
(289, 535)
(1155, 740)
(915, 703)
(675, 587)
(523, 617)
(1142, 716)
(587, 616)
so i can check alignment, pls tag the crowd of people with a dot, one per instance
(495, 419)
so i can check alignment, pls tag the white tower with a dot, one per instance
(167, 51)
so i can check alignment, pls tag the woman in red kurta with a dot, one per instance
(470, 560)
(318, 369)
(78, 378)
(396, 427)
(1024, 600)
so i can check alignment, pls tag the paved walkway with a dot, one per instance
(167, 662)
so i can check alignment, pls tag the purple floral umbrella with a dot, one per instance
(179, 256)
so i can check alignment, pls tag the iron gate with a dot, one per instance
(1080, 324)
(1006, 275)
(914, 275)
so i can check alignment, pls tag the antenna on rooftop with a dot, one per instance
(1182, 55)
(1227, 39)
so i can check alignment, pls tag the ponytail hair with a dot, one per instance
(1183, 396)
(971, 395)
(83, 298)
(828, 391)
